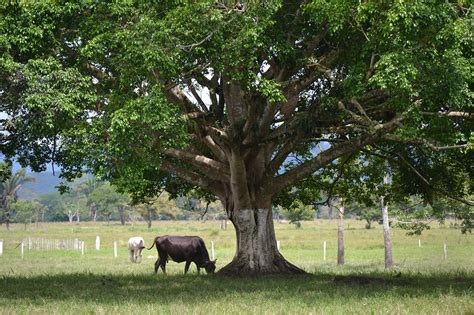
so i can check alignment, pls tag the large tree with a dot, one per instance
(243, 99)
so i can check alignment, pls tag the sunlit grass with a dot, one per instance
(61, 281)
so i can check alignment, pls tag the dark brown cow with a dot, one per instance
(182, 248)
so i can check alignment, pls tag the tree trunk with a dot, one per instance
(256, 251)
(330, 208)
(340, 237)
(386, 236)
(121, 210)
(7, 220)
(149, 217)
(368, 225)
(93, 211)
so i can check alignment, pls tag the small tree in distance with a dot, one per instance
(297, 212)
(26, 211)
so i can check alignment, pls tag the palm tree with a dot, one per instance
(9, 193)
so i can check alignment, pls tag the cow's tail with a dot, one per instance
(154, 241)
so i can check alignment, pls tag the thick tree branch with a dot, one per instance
(421, 177)
(450, 114)
(176, 96)
(375, 133)
(214, 147)
(234, 100)
(192, 177)
(425, 143)
(214, 169)
(324, 158)
(197, 97)
(281, 156)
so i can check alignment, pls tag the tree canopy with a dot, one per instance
(243, 100)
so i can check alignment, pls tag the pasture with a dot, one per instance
(65, 282)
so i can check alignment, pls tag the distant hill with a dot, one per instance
(45, 183)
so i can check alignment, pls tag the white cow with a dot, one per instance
(135, 247)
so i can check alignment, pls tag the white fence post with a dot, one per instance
(115, 249)
(445, 250)
(419, 243)
(82, 248)
(1, 247)
(212, 250)
(97, 243)
(324, 250)
(278, 245)
(22, 249)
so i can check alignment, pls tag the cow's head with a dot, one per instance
(210, 266)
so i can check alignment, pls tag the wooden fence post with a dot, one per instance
(22, 249)
(82, 248)
(97, 243)
(419, 243)
(115, 249)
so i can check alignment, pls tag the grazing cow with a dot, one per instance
(183, 248)
(135, 247)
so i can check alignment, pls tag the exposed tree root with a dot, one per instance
(242, 267)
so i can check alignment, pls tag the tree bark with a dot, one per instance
(93, 211)
(70, 216)
(330, 208)
(7, 220)
(256, 251)
(340, 237)
(121, 210)
(386, 235)
(149, 217)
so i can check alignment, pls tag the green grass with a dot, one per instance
(59, 282)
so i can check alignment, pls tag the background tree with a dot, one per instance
(26, 211)
(223, 94)
(9, 193)
(298, 212)
(87, 187)
(367, 213)
(108, 201)
(147, 211)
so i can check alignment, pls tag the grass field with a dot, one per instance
(64, 282)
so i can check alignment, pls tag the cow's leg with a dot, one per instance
(130, 255)
(198, 269)
(163, 258)
(135, 255)
(157, 264)
(186, 268)
(163, 265)
(139, 256)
